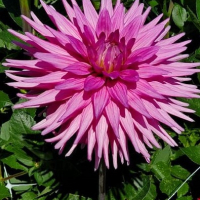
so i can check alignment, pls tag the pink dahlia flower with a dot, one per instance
(104, 78)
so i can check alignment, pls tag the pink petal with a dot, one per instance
(90, 12)
(103, 24)
(118, 92)
(107, 5)
(74, 104)
(79, 68)
(71, 84)
(136, 103)
(100, 100)
(93, 83)
(112, 113)
(129, 75)
(117, 19)
(101, 131)
(86, 120)
(91, 142)
(142, 54)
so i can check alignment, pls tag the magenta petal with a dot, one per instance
(90, 12)
(71, 84)
(100, 100)
(86, 120)
(132, 29)
(101, 130)
(142, 54)
(113, 75)
(79, 68)
(118, 92)
(129, 75)
(112, 112)
(118, 17)
(136, 103)
(75, 103)
(104, 22)
(93, 83)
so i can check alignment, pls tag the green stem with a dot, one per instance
(25, 10)
(102, 181)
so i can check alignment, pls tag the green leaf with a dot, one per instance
(153, 3)
(4, 192)
(183, 190)
(161, 155)
(5, 135)
(169, 185)
(14, 10)
(194, 104)
(20, 155)
(29, 196)
(19, 125)
(6, 40)
(4, 100)
(179, 172)
(152, 193)
(143, 192)
(179, 15)
(198, 8)
(77, 197)
(192, 153)
(12, 162)
(44, 178)
(161, 170)
(185, 198)
(1, 4)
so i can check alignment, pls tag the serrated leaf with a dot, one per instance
(152, 193)
(20, 155)
(179, 172)
(12, 162)
(192, 153)
(15, 129)
(179, 15)
(143, 192)
(44, 178)
(161, 170)
(169, 185)
(21, 123)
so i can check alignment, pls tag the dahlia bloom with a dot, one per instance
(104, 78)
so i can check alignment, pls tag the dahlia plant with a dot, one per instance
(104, 78)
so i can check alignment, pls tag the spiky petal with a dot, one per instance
(106, 78)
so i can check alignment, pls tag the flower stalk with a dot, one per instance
(25, 10)
(102, 180)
